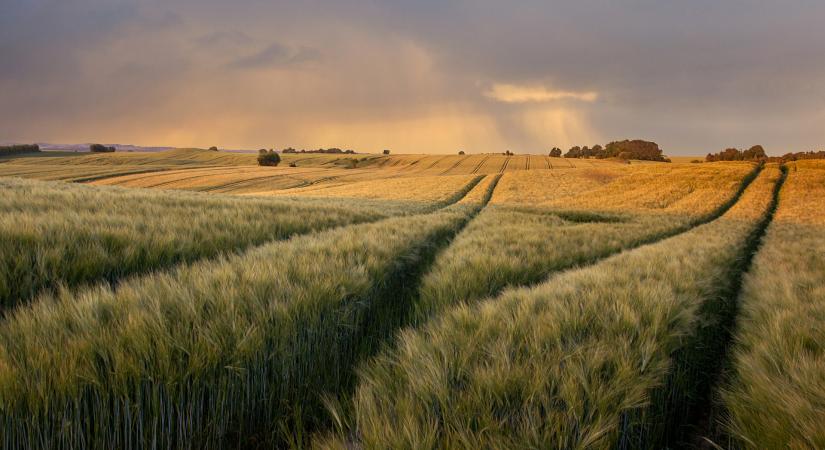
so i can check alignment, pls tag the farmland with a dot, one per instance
(193, 299)
(775, 394)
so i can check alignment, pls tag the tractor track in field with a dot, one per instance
(478, 166)
(701, 428)
(506, 163)
(103, 172)
(114, 281)
(434, 163)
(169, 171)
(176, 180)
(461, 160)
(100, 177)
(161, 184)
(394, 313)
(746, 182)
(245, 181)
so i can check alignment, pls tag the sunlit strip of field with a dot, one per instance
(605, 356)
(776, 393)
(512, 246)
(230, 179)
(671, 188)
(434, 189)
(481, 192)
(62, 172)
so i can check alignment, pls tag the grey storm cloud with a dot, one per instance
(276, 55)
(695, 76)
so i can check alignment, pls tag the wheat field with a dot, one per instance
(193, 299)
(776, 393)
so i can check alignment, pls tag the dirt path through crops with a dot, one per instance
(702, 429)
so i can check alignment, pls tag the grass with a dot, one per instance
(514, 246)
(573, 363)
(775, 394)
(220, 352)
(56, 234)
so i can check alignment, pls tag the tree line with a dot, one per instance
(100, 148)
(626, 150)
(333, 150)
(757, 153)
(18, 148)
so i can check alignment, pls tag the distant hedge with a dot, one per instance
(17, 149)
(100, 148)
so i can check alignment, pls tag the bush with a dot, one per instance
(268, 158)
(17, 149)
(461, 152)
(386, 152)
(213, 148)
(100, 148)
(555, 153)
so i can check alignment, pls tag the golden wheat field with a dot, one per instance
(193, 299)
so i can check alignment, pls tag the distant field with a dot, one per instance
(193, 299)
(687, 159)
(203, 170)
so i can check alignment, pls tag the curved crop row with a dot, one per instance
(56, 234)
(515, 246)
(585, 360)
(776, 395)
(233, 350)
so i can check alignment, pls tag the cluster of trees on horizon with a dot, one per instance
(333, 150)
(757, 153)
(100, 148)
(626, 150)
(800, 156)
(17, 149)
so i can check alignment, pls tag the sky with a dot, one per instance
(415, 76)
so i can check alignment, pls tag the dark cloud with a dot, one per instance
(276, 56)
(696, 76)
(223, 38)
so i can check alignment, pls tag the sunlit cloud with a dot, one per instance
(511, 93)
